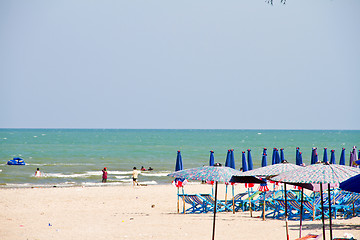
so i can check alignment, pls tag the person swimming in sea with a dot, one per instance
(37, 173)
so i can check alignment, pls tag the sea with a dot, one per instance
(75, 157)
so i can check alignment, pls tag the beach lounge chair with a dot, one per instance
(220, 205)
(346, 206)
(244, 204)
(314, 207)
(198, 204)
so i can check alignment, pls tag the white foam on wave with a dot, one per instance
(121, 177)
(153, 174)
(120, 172)
(74, 175)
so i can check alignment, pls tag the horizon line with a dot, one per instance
(253, 129)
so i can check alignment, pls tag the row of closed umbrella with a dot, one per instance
(279, 156)
(325, 174)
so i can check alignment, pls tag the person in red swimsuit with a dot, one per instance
(104, 175)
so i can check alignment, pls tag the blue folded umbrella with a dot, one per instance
(352, 184)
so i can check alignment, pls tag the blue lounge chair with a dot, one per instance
(198, 204)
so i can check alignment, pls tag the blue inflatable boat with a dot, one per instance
(16, 161)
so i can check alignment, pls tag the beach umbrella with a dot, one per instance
(263, 186)
(319, 174)
(230, 162)
(314, 156)
(209, 173)
(179, 163)
(179, 182)
(269, 171)
(212, 159)
(332, 157)
(342, 157)
(353, 156)
(352, 159)
(273, 157)
(244, 163)
(297, 156)
(264, 160)
(355, 153)
(282, 156)
(179, 166)
(352, 184)
(250, 163)
(325, 157)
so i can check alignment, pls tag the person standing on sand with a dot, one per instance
(135, 176)
(104, 175)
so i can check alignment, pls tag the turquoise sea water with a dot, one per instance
(70, 157)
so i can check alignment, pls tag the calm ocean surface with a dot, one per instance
(70, 157)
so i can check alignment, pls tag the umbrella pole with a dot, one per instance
(178, 207)
(226, 195)
(264, 207)
(330, 223)
(322, 210)
(250, 202)
(213, 234)
(286, 220)
(233, 202)
(301, 210)
(183, 198)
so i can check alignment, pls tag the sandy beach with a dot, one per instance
(141, 212)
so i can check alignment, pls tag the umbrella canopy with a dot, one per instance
(264, 160)
(282, 156)
(332, 157)
(179, 163)
(271, 170)
(352, 184)
(212, 159)
(244, 163)
(209, 173)
(355, 153)
(353, 156)
(318, 173)
(179, 182)
(273, 157)
(250, 163)
(342, 157)
(314, 158)
(325, 157)
(297, 156)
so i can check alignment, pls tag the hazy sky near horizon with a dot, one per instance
(180, 64)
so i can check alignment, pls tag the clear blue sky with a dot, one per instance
(180, 64)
